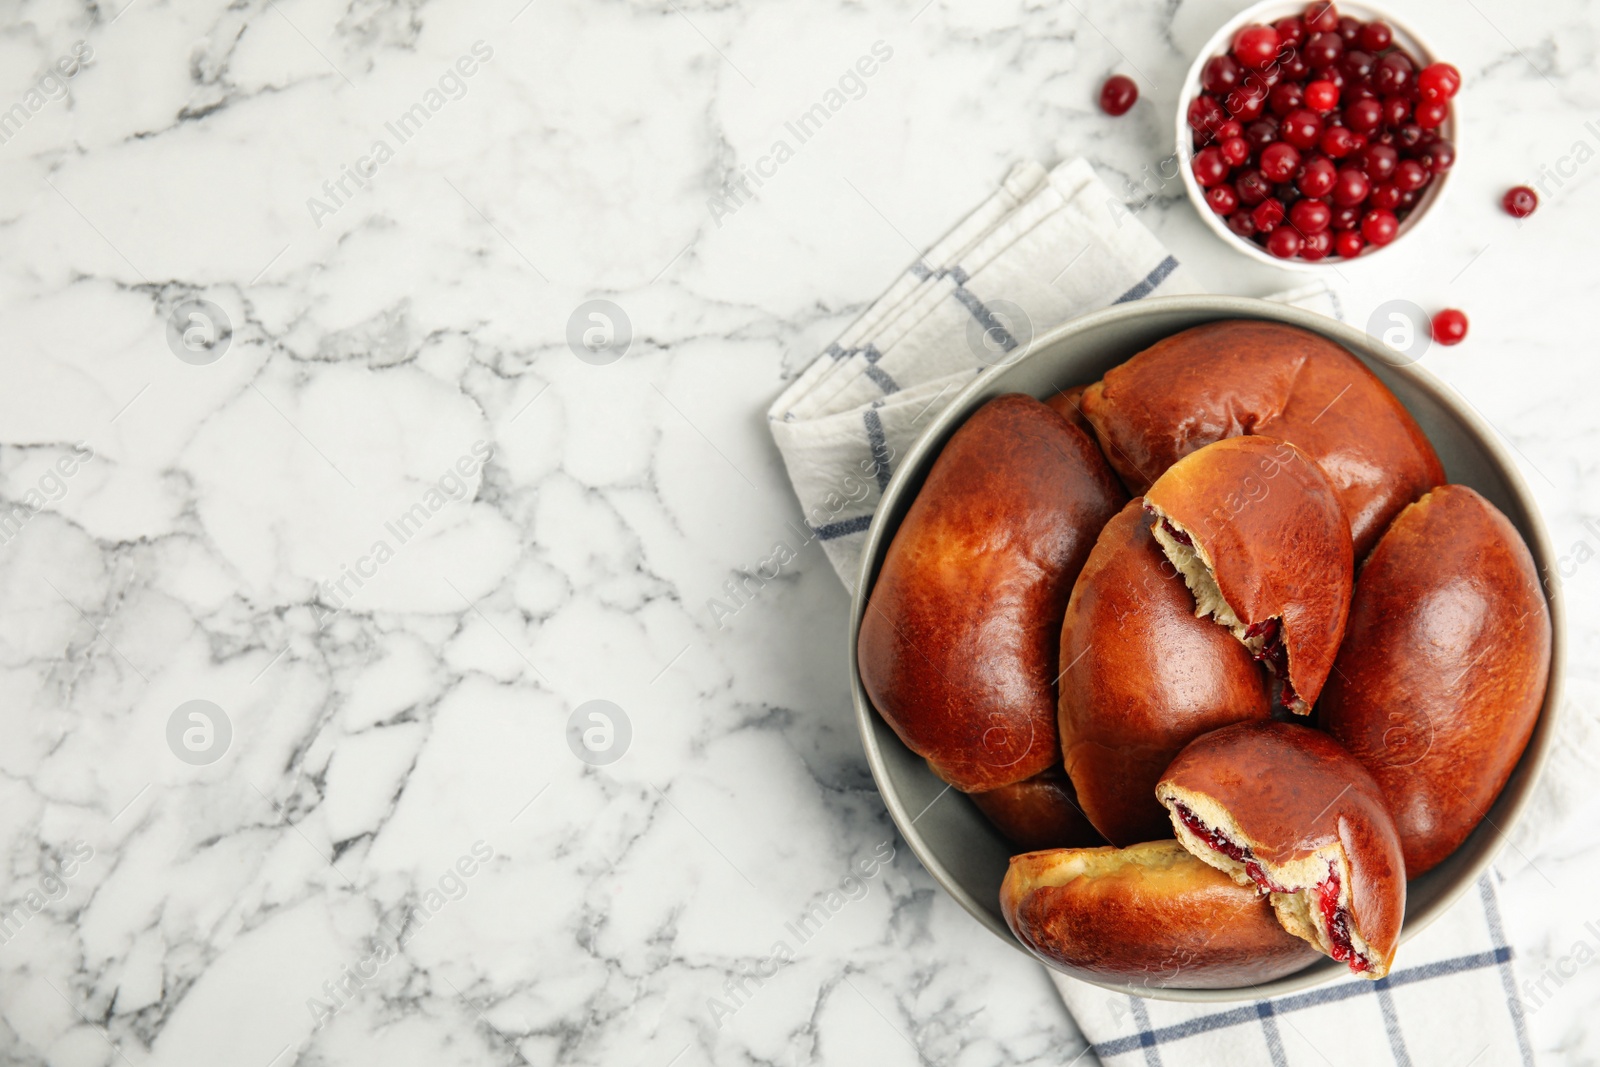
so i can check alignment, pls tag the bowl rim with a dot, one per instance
(1270, 10)
(1361, 345)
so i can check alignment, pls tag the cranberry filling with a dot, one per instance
(1275, 654)
(1220, 842)
(1337, 921)
(1177, 534)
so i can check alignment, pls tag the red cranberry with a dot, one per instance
(1242, 224)
(1316, 246)
(1284, 242)
(1255, 46)
(1279, 161)
(1411, 176)
(1333, 76)
(1337, 142)
(1310, 216)
(1385, 195)
(1393, 74)
(1261, 133)
(1357, 65)
(1438, 81)
(1316, 178)
(1439, 156)
(1379, 226)
(1450, 327)
(1228, 129)
(1408, 200)
(1252, 187)
(1375, 36)
(1267, 215)
(1235, 150)
(1363, 116)
(1301, 128)
(1322, 97)
(1118, 94)
(1285, 98)
(1349, 28)
(1350, 188)
(1246, 104)
(1221, 75)
(1377, 161)
(1408, 135)
(1323, 49)
(1432, 113)
(1346, 218)
(1291, 31)
(1295, 67)
(1321, 18)
(1349, 244)
(1223, 200)
(1359, 91)
(1206, 115)
(1520, 202)
(1287, 193)
(1396, 109)
(1358, 141)
(1209, 167)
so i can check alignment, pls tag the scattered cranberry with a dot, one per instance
(1521, 202)
(1310, 216)
(1376, 36)
(1279, 161)
(1223, 200)
(1284, 242)
(1118, 94)
(1349, 244)
(1450, 326)
(1438, 81)
(1380, 226)
(1256, 46)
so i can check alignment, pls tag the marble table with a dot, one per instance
(320, 542)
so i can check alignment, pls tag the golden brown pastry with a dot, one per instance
(1143, 676)
(1442, 672)
(959, 640)
(1227, 379)
(1038, 812)
(1256, 530)
(1284, 807)
(1149, 915)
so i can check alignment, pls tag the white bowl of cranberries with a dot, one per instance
(1311, 134)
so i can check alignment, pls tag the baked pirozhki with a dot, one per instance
(1149, 915)
(1142, 677)
(959, 640)
(1443, 669)
(1285, 808)
(1228, 379)
(1257, 532)
(1039, 812)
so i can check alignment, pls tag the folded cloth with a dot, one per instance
(1046, 247)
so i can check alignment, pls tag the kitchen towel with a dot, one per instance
(1047, 246)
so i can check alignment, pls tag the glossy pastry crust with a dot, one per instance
(1150, 915)
(1286, 808)
(1443, 669)
(1227, 379)
(959, 640)
(1257, 530)
(1143, 676)
(1039, 812)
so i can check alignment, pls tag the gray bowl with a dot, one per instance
(954, 841)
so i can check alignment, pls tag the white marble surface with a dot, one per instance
(181, 914)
